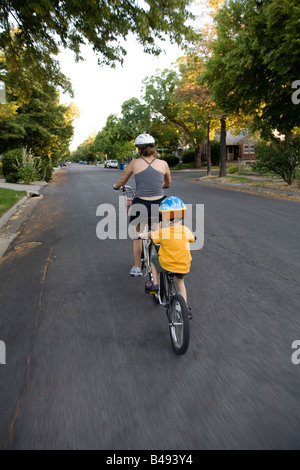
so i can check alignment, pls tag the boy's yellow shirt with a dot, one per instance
(174, 253)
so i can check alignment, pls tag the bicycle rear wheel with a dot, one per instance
(179, 325)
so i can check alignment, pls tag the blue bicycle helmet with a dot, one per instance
(172, 207)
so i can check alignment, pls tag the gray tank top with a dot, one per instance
(149, 182)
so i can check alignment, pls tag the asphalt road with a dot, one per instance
(89, 363)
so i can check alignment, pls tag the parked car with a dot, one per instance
(111, 164)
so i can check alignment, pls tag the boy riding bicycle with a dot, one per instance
(174, 252)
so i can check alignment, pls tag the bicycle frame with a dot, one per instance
(168, 289)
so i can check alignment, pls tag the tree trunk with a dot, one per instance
(198, 156)
(208, 150)
(223, 148)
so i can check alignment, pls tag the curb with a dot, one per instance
(252, 188)
(8, 214)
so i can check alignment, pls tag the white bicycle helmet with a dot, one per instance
(144, 140)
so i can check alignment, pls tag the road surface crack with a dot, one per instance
(26, 383)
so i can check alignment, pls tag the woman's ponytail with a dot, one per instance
(149, 152)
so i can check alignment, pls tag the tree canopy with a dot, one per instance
(45, 25)
(254, 61)
(33, 116)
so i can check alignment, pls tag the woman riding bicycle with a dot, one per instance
(152, 175)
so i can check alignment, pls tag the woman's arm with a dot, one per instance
(125, 177)
(167, 177)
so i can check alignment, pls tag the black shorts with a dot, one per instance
(152, 211)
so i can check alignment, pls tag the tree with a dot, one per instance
(33, 115)
(196, 98)
(112, 141)
(44, 25)
(135, 119)
(177, 98)
(255, 61)
(223, 147)
(20, 64)
(43, 125)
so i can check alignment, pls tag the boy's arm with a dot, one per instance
(154, 235)
(190, 236)
(143, 235)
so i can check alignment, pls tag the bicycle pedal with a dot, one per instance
(147, 288)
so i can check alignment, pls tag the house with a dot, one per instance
(241, 146)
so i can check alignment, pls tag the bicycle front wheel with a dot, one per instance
(143, 257)
(179, 325)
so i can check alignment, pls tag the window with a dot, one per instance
(252, 148)
(246, 149)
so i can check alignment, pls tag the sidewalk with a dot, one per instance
(31, 190)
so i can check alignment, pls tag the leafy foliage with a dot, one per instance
(27, 168)
(38, 121)
(10, 162)
(279, 157)
(44, 25)
(171, 159)
(255, 60)
(188, 156)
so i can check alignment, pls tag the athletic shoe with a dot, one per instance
(135, 271)
(151, 288)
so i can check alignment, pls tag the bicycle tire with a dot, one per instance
(143, 258)
(153, 250)
(179, 325)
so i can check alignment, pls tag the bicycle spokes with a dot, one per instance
(179, 325)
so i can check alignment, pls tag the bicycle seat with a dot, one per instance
(171, 274)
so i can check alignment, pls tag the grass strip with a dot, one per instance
(8, 198)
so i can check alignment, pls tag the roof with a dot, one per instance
(231, 138)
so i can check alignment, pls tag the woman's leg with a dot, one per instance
(137, 245)
(137, 252)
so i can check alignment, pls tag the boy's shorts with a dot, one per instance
(160, 269)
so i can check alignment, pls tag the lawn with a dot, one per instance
(9, 197)
(257, 181)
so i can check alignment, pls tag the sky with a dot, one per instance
(100, 90)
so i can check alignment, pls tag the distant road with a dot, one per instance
(89, 363)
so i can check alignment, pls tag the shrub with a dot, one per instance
(279, 157)
(188, 156)
(27, 168)
(171, 159)
(45, 170)
(12, 178)
(233, 169)
(10, 161)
